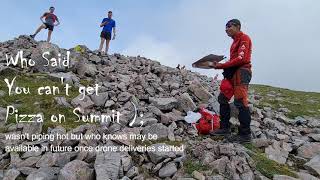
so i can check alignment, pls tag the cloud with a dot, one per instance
(149, 47)
(284, 41)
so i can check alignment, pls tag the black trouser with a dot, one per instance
(244, 115)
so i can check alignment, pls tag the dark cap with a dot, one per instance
(51, 7)
(109, 11)
(235, 22)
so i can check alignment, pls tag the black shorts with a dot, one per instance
(48, 26)
(106, 35)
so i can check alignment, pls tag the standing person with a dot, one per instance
(237, 73)
(48, 23)
(108, 25)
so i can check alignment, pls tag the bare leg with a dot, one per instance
(42, 26)
(107, 45)
(101, 44)
(49, 36)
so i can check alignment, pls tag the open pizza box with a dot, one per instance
(206, 62)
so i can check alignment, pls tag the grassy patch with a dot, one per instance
(3, 130)
(85, 82)
(298, 102)
(268, 167)
(191, 165)
(34, 103)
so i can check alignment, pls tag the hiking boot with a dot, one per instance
(241, 139)
(221, 132)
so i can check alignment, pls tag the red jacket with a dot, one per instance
(240, 52)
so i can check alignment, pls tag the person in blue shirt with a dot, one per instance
(109, 26)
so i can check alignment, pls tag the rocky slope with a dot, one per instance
(283, 147)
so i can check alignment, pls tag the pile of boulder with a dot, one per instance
(162, 95)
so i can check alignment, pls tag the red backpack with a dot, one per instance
(226, 88)
(208, 122)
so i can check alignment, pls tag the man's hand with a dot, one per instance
(217, 65)
(104, 23)
(114, 37)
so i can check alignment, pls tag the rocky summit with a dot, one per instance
(159, 97)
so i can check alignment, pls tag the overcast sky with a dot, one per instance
(284, 32)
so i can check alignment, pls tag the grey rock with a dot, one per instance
(174, 85)
(261, 142)
(109, 103)
(141, 121)
(62, 101)
(213, 105)
(283, 177)
(84, 103)
(170, 117)
(49, 159)
(107, 165)
(76, 170)
(274, 124)
(197, 175)
(33, 127)
(127, 131)
(309, 150)
(86, 69)
(68, 78)
(134, 171)
(159, 129)
(315, 137)
(11, 174)
(164, 103)
(200, 92)
(277, 153)
(48, 173)
(158, 155)
(314, 123)
(154, 110)
(282, 137)
(3, 114)
(26, 170)
(255, 123)
(168, 170)
(186, 103)
(126, 162)
(29, 162)
(37, 56)
(257, 113)
(248, 175)
(227, 149)
(100, 99)
(124, 97)
(306, 176)
(219, 165)
(300, 120)
(314, 165)
(95, 58)
(216, 177)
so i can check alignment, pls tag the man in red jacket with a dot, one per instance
(237, 72)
